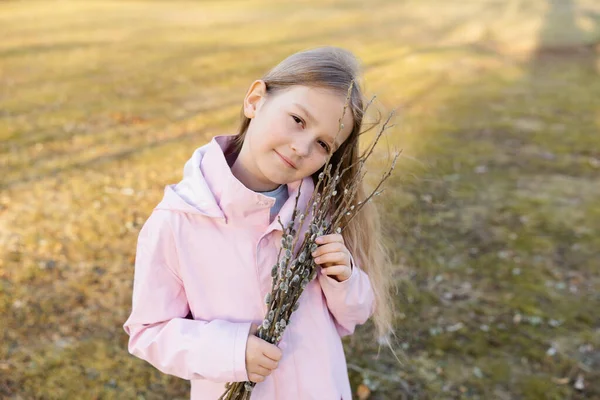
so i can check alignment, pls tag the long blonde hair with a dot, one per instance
(335, 68)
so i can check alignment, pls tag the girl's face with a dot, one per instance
(298, 125)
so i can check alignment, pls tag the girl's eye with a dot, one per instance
(324, 145)
(296, 119)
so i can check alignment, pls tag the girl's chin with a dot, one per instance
(276, 178)
(277, 181)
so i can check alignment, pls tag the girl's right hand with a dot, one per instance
(262, 357)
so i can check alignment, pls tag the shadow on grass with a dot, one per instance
(496, 232)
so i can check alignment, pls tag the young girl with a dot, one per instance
(208, 248)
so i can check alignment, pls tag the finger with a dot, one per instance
(335, 270)
(267, 363)
(272, 351)
(337, 257)
(334, 237)
(255, 378)
(257, 369)
(328, 248)
(253, 328)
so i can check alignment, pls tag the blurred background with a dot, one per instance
(493, 213)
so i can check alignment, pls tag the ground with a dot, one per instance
(492, 215)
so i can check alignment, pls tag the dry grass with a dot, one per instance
(493, 214)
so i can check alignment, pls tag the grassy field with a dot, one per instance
(493, 214)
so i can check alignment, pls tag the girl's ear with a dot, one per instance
(254, 98)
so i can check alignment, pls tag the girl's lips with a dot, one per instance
(288, 162)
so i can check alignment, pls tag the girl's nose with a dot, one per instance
(301, 147)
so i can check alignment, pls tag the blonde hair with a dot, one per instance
(335, 68)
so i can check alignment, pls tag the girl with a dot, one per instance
(207, 249)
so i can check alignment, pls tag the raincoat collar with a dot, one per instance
(209, 188)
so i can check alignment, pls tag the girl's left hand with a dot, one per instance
(333, 256)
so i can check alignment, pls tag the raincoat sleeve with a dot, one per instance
(158, 330)
(351, 302)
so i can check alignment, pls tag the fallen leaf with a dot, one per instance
(560, 381)
(363, 392)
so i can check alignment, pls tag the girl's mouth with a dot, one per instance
(286, 161)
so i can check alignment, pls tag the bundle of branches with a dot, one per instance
(292, 274)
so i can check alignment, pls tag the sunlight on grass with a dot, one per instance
(492, 214)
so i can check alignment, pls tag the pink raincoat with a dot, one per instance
(208, 248)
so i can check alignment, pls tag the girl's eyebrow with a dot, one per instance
(305, 111)
(309, 115)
